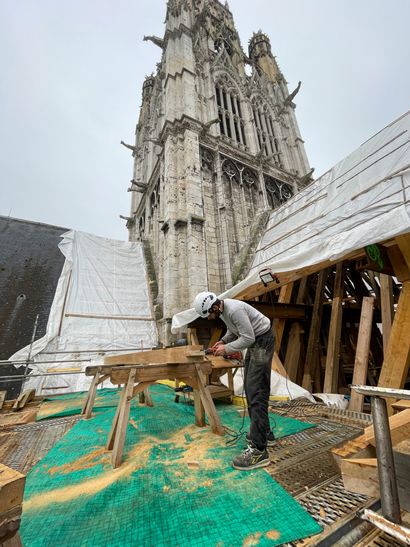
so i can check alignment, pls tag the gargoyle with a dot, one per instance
(131, 189)
(306, 178)
(290, 97)
(207, 126)
(261, 156)
(130, 146)
(155, 40)
(138, 184)
(128, 219)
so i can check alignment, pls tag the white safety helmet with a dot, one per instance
(203, 303)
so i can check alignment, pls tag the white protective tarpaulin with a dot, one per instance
(364, 199)
(101, 303)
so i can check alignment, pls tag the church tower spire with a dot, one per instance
(216, 149)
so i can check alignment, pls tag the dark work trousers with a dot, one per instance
(258, 362)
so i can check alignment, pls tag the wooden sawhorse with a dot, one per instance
(138, 378)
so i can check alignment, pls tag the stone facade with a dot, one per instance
(217, 145)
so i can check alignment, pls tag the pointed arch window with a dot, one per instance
(265, 132)
(231, 123)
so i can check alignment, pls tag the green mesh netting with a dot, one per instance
(175, 487)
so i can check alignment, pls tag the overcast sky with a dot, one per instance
(71, 73)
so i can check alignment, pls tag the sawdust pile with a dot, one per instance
(49, 408)
(193, 450)
(96, 457)
(137, 459)
(21, 417)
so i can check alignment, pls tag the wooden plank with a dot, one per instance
(281, 309)
(167, 355)
(2, 398)
(401, 405)
(360, 475)
(272, 311)
(199, 409)
(400, 267)
(397, 359)
(362, 353)
(313, 342)
(192, 336)
(338, 288)
(219, 392)
(333, 374)
(277, 365)
(141, 388)
(11, 488)
(295, 342)
(403, 242)
(220, 362)
(14, 541)
(285, 296)
(87, 401)
(386, 297)
(111, 317)
(216, 335)
(147, 397)
(27, 396)
(294, 349)
(113, 430)
(401, 454)
(231, 386)
(208, 403)
(331, 383)
(399, 425)
(92, 392)
(123, 417)
(165, 372)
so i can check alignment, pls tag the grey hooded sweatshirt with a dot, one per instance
(244, 323)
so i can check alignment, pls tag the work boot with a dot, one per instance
(270, 438)
(251, 458)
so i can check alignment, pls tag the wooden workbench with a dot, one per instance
(137, 371)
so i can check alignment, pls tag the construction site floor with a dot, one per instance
(301, 463)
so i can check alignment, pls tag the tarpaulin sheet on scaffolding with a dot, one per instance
(364, 199)
(101, 303)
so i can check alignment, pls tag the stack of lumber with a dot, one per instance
(11, 499)
(357, 461)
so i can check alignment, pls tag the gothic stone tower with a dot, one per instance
(217, 146)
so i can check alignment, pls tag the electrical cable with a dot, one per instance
(236, 436)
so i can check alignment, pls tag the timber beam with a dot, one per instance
(299, 312)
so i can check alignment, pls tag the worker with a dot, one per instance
(248, 329)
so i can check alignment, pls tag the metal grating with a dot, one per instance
(330, 505)
(28, 444)
(311, 472)
(297, 448)
(329, 502)
(299, 409)
(376, 538)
